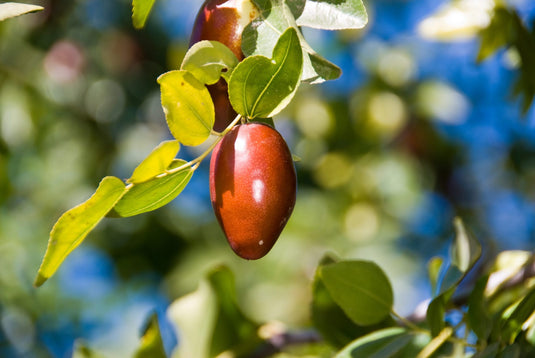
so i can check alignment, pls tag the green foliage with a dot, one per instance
(188, 107)
(260, 87)
(507, 30)
(156, 163)
(153, 194)
(140, 12)
(151, 345)
(208, 61)
(13, 9)
(360, 288)
(74, 225)
(385, 343)
(333, 14)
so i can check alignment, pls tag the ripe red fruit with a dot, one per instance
(252, 187)
(223, 21)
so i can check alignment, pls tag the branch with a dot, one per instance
(278, 342)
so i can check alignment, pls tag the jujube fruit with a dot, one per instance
(252, 187)
(223, 21)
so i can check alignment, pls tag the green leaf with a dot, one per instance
(497, 34)
(13, 9)
(490, 351)
(188, 107)
(260, 87)
(81, 350)
(330, 320)
(435, 314)
(334, 14)
(380, 344)
(153, 194)
(261, 35)
(156, 163)
(513, 323)
(433, 271)
(478, 314)
(465, 249)
(360, 288)
(151, 342)
(209, 320)
(140, 12)
(74, 225)
(209, 60)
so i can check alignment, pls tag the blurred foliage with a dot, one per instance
(413, 133)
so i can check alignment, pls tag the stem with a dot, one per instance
(195, 162)
(408, 323)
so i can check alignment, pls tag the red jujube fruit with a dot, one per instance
(223, 21)
(252, 187)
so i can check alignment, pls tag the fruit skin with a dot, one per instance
(223, 21)
(253, 188)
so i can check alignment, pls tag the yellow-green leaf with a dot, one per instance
(12, 9)
(188, 107)
(151, 342)
(153, 194)
(74, 225)
(156, 162)
(140, 12)
(209, 60)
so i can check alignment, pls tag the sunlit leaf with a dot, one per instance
(383, 343)
(331, 321)
(360, 288)
(140, 12)
(13, 9)
(156, 162)
(151, 345)
(334, 14)
(153, 194)
(433, 271)
(188, 107)
(209, 60)
(465, 249)
(74, 225)
(210, 321)
(261, 35)
(260, 87)
(513, 323)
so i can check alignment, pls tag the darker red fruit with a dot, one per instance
(223, 21)
(252, 188)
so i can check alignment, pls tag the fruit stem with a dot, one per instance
(195, 162)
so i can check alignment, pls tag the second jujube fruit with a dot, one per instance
(252, 188)
(223, 21)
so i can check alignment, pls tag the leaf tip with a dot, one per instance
(39, 280)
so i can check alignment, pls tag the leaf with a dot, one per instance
(330, 320)
(209, 60)
(156, 163)
(433, 271)
(497, 34)
(512, 325)
(360, 288)
(260, 87)
(151, 345)
(74, 225)
(140, 12)
(81, 350)
(380, 344)
(465, 249)
(490, 351)
(209, 320)
(153, 194)
(188, 107)
(435, 314)
(334, 14)
(13, 9)
(478, 314)
(261, 35)
(436, 343)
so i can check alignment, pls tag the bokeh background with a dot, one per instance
(414, 133)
